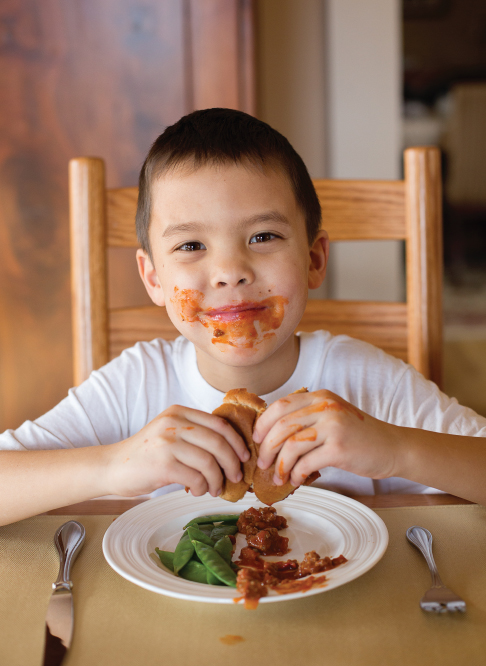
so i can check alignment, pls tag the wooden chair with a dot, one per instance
(408, 210)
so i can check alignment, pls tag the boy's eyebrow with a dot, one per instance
(194, 227)
(182, 228)
(270, 216)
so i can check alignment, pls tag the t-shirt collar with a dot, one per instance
(207, 398)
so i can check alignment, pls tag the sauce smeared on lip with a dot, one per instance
(241, 325)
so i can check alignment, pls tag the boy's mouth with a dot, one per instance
(241, 325)
(235, 312)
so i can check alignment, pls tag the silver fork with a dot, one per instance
(439, 599)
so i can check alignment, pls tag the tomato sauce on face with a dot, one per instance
(243, 327)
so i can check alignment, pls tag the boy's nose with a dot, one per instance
(231, 271)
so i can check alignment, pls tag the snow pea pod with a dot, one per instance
(212, 579)
(195, 572)
(196, 535)
(222, 530)
(229, 518)
(166, 557)
(224, 547)
(207, 529)
(183, 552)
(215, 563)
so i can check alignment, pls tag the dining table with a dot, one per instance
(373, 620)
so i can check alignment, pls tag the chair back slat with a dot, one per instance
(362, 210)
(351, 210)
(127, 326)
(381, 324)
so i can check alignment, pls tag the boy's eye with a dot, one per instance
(263, 237)
(191, 246)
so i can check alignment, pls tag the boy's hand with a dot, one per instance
(309, 431)
(181, 445)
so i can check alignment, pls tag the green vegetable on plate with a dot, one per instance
(215, 563)
(222, 530)
(183, 552)
(196, 535)
(228, 518)
(195, 572)
(166, 557)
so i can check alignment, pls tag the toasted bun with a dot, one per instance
(246, 399)
(241, 409)
(265, 489)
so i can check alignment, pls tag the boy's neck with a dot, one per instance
(264, 378)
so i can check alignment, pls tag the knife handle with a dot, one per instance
(68, 540)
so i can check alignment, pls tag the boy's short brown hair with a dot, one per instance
(221, 136)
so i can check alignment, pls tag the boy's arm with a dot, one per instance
(309, 431)
(453, 463)
(181, 445)
(32, 482)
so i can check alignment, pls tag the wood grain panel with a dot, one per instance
(222, 54)
(88, 265)
(370, 210)
(84, 78)
(115, 507)
(127, 326)
(381, 324)
(424, 260)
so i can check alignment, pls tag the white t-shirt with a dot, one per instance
(116, 401)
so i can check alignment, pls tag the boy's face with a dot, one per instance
(231, 260)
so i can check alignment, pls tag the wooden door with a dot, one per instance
(86, 77)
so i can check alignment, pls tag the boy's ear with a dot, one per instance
(150, 278)
(318, 253)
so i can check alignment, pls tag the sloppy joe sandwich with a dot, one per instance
(241, 409)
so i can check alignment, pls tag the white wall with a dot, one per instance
(291, 79)
(363, 57)
(329, 80)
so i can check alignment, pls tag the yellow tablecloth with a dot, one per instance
(375, 620)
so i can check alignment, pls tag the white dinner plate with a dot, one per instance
(319, 520)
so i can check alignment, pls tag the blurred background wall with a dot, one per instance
(86, 77)
(350, 82)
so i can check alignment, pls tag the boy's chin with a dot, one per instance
(243, 354)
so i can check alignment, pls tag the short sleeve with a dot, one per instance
(112, 404)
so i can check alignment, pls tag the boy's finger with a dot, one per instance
(220, 426)
(278, 410)
(217, 446)
(311, 462)
(203, 462)
(294, 448)
(189, 477)
(274, 441)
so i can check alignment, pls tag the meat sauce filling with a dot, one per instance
(253, 520)
(256, 576)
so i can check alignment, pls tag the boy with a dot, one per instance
(229, 227)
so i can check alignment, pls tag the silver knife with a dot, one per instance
(60, 617)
